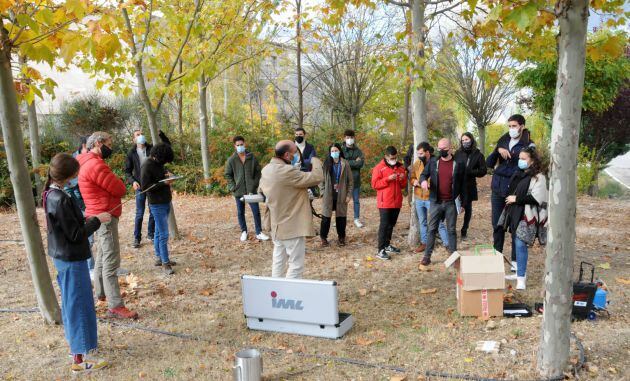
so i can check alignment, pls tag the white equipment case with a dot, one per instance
(298, 306)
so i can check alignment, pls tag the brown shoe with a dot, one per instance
(425, 261)
(122, 313)
(341, 242)
(421, 248)
(325, 242)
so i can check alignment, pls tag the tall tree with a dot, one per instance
(33, 128)
(481, 84)
(526, 28)
(39, 31)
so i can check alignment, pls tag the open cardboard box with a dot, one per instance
(480, 282)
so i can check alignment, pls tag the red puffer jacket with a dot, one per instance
(389, 193)
(100, 188)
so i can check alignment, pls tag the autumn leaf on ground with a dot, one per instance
(428, 291)
(424, 268)
(369, 258)
(363, 291)
(398, 378)
(206, 292)
(623, 281)
(605, 266)
(363, 341)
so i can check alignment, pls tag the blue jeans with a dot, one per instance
(160, 239)
(240, 209)
(521, 255)
(356, 193)
(422, 209)
(77, 305)
(141, 200)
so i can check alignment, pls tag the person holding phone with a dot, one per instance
(389, 178)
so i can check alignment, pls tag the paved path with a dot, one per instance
(619, 169)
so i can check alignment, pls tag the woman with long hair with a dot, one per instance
(471, 158)
(336, 191)
(68, 245)
(526, 209)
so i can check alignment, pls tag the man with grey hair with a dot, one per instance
(289, 210)
(102, 192)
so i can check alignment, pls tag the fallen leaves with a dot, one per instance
(424, 268)
(425, 291)
(363, 291)
(206, 292)
(623, 281)
(605, 266)
(398, 378)
(371, 338)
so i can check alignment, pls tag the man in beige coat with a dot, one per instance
(291, 220)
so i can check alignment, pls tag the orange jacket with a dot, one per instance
(100, 188)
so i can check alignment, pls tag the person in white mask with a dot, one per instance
(505, 159)
(356, 159)
(136, 156)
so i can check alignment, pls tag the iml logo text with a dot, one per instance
(286, 304)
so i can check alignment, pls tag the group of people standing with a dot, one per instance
(83, 200)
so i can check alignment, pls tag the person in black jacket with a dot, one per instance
(159, 196)
(136, 156)
(307, 151)
(505, 159)
(447, 181)
(68, 245)
(474, 163)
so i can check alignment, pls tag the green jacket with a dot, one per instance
(242, 178)
(352, 154)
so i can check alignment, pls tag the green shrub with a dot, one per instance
(587, 168)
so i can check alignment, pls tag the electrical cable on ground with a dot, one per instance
(345, 360)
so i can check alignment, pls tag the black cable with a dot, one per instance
(428, 373)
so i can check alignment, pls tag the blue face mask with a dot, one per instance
(240, 149)
(335, 155)
(141, 139)
(522, 164)
(296, 158)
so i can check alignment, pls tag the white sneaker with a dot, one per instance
(262, 237)
(243, 236)
(92, 275)
(513, 267)
(520, 282)
(358, 223)
(510, 277)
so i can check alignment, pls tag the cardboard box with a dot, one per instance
(480, 282)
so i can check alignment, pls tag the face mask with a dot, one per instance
(350, 141)
(240, 149)
(392, 162)
(296, 159)
(522, 164)
(444, 153)
(467, 144)
(514, 133)
(422, 158)
(140, 139)
(299, 139)
(335, 155)
(106, 152)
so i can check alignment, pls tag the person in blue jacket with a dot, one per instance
(504, 160)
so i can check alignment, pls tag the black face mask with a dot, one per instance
(106, 152)
(423, 159)
(444, 153)
(467, 146)
(299, 139)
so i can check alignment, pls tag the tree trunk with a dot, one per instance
(146, 102)
(556, 326)
(33, 130)
(180, 117)
(481, 128)
(300, 89)
(225, 93)
(203, 127)
(419, 95)
(353, 122)
(403, 140)
(21, 182)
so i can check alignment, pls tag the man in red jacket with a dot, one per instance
(389, 178)
(102, 191)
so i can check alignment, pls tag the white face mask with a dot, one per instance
(514, 133)
(391, 162)
(350, 141)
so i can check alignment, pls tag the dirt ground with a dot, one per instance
(398, 324)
